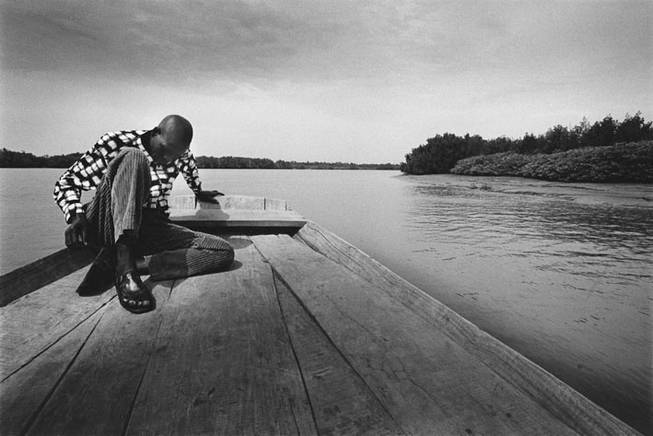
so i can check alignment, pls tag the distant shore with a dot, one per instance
(21, 159)
(608, 150)
(631, 162)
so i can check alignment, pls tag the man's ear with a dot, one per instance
(156, 130)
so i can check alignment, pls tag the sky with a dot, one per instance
(334, 80)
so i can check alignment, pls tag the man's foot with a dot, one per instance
(133, 294)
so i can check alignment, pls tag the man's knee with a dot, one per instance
(132, 154)
(224, 257)
(128, 164)
(216, 251)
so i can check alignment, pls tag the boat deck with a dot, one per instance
(305, 334)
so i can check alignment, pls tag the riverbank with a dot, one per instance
(631, 162)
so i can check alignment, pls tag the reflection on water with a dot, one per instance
(560, 272)
(620, 236)
(537, 214)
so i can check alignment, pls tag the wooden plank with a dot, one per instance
(223, 362)
(342, 402)
(426, 381)
(95, 395)
(235, 211)
(235, 218)
(558, 398)
(34, 322)
(27, 390)
(35, 275)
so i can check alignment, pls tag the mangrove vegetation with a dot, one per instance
(607, 150)
(624, 162)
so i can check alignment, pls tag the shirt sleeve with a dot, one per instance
(189, 170)
(85, 174)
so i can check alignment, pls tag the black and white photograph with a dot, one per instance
(326, 217)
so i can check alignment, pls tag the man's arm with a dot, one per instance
(84, 174)
(192, 176)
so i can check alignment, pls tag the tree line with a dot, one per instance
(235, 162)
(21, 159)
(441, 152)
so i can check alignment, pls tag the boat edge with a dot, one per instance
(557, 397)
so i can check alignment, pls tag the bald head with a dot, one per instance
(170, 139)
(177, 129)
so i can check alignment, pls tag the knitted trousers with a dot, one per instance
(117, 210)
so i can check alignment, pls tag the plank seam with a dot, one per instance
(32, 419)
(278, 276)
(147, 366)
(294, 353)
(102, 306)
(140, 382)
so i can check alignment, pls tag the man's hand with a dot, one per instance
(76, 232)
(209, 196)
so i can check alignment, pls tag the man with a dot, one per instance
(132, 172)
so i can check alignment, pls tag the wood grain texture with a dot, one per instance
(558, 398)
(234, 211)
(223, 362)
(32, 323)
(428, 383)
(25, 392)
(35, 275)
(218, 218)
(95, 394)
(342, 402)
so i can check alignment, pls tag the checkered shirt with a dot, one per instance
(86, 173)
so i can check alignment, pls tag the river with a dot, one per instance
(560, 272)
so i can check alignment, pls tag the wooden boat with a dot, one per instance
(306, 334)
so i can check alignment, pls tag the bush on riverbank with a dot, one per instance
(631, 162)
(441, 152)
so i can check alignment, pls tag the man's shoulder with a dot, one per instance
(122, 137)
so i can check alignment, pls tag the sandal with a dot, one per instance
(133, 294)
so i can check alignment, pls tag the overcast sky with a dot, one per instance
(361, 81)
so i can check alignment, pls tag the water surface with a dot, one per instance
(560, 272)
